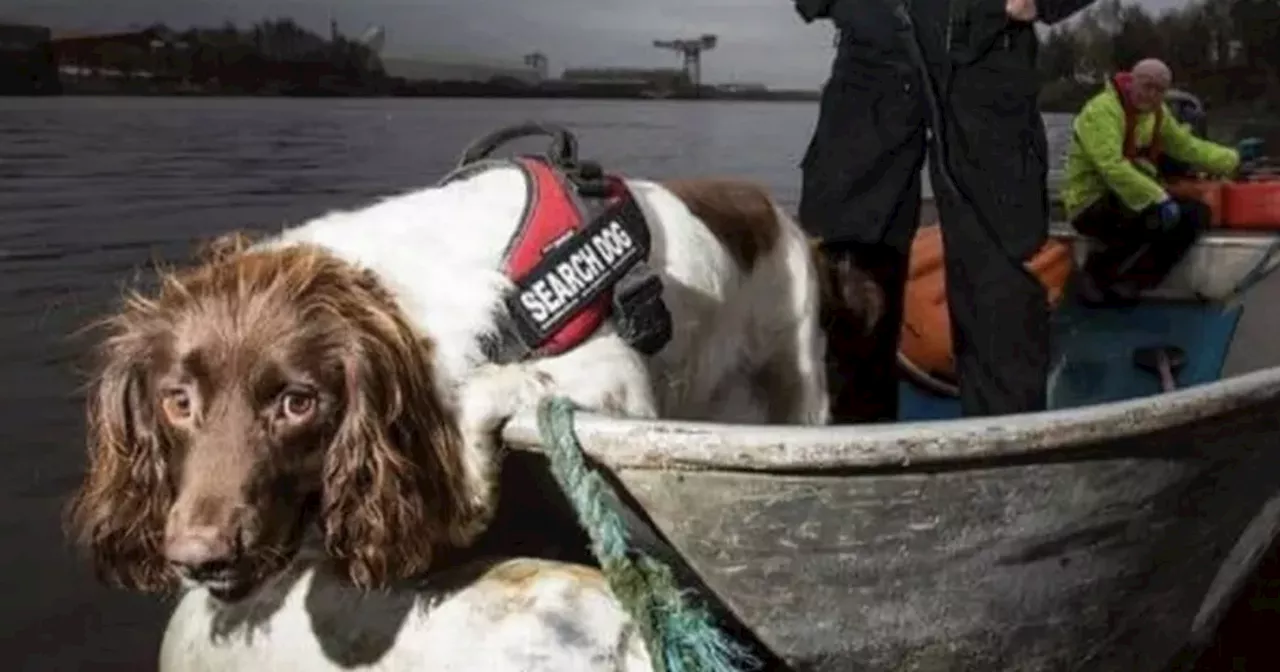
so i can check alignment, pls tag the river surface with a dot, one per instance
(92, 190)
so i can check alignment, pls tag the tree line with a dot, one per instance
(270, 55)
(1225, 51)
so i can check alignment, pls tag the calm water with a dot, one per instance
(91, 189)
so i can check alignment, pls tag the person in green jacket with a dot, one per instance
(1112, 191)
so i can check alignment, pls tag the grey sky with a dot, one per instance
(760, 40)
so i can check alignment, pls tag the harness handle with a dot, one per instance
(563, 150)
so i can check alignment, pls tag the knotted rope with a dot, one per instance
(680, 635)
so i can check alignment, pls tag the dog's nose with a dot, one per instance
(199, 548)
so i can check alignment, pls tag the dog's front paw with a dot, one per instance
(493, 393)
(635, 402)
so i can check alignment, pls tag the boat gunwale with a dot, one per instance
(703, 446)
(1219, 237)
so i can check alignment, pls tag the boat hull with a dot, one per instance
(1102, 559)
(1116, 553)
(1110, 536)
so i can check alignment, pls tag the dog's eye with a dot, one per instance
(177, 405)
(297, 406)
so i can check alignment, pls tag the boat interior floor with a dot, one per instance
(1093, 353)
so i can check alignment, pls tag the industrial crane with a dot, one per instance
(691, 51)
(538, 61)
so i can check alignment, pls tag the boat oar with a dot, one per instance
(1266, 265)
(1270, 259)
(1164, 361)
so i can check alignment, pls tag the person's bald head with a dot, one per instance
(1151, 79)
(1155, 70)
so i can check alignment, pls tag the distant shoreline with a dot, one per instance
(1229, 113)
(479, 92)
(393, 88)
(783, 98)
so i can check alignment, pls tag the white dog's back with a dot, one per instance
(745, 315)
(747, 346)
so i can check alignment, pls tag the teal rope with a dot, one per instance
(679, 635)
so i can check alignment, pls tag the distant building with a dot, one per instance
(17, 38)
(27, 62)
(656, 78)
(125, 54)
(433, 70)
(742, 88)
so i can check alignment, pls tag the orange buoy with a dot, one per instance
(1252, 205)
(1208, 192)
(925, 349)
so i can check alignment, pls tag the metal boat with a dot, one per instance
(1109, 533)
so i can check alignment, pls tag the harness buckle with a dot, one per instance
(639, 314)
(590, 180)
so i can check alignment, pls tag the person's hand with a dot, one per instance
(1250, 149)
(1021, 10)
(1168, 212)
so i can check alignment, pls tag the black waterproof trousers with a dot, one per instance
(861, 188)
(1135, 251)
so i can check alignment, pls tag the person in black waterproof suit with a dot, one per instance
(861, 182)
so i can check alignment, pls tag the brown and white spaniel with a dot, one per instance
(329, 380)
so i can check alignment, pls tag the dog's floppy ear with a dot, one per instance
(118, 513)
(858, 293)
(395, 486)
(849, 294)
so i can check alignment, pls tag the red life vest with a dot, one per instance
(1122, 81)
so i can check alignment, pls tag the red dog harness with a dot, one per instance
(577, 258)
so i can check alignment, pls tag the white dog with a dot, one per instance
(341, 376)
